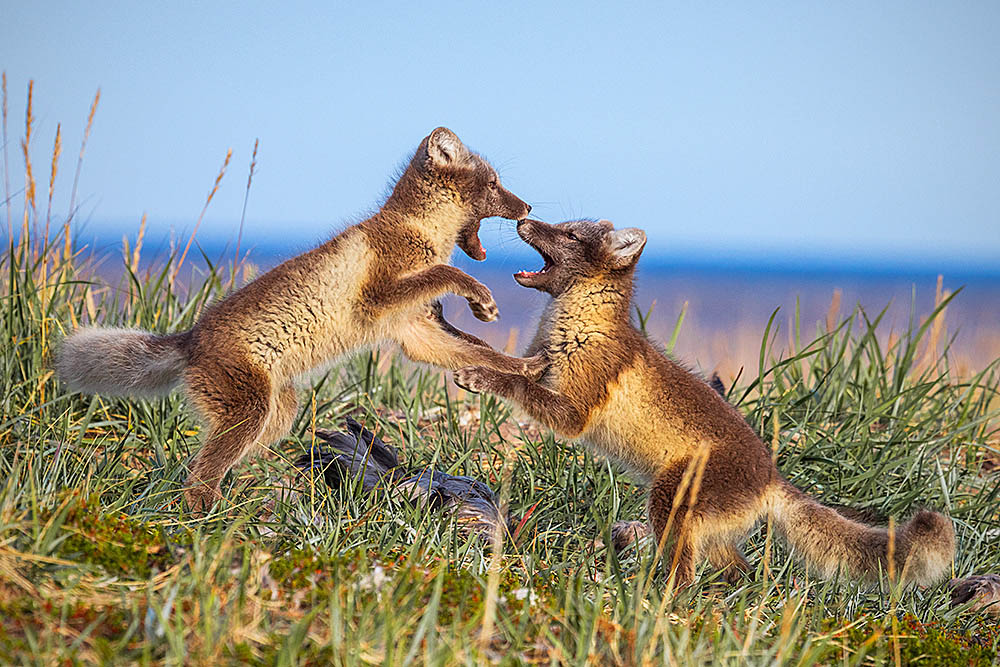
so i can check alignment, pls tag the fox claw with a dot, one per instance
(472, 378)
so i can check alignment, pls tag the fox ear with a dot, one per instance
(444, 148)
(625, 246)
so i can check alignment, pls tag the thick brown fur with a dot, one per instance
(376, 281)
(711, 478)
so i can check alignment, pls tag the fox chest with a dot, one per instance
(629, 423)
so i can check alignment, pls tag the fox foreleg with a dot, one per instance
(430, 339)
(434, 281)
(551, 409)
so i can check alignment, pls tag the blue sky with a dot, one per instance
(857, 131)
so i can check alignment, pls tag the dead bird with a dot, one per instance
(359, 456)
(982, 590)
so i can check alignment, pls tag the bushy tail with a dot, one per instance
(923, 546)
(121, 362)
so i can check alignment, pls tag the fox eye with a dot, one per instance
(572, 237)
(494, 184)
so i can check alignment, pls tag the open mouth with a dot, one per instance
(469, 242)
(549, 263)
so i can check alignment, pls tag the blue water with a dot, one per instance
(729, 298)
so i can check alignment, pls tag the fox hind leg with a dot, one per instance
(281, 416)
(680, 550)
(236, 405)
(728, 558)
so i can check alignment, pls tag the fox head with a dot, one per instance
(444, 171)
(579, 250)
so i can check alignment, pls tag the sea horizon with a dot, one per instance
(727, 300)
(501, 242)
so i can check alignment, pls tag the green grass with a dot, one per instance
(100, 563)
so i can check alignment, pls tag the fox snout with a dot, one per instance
(524, 226)
(529, 230)
(516, 209)
(533, 233)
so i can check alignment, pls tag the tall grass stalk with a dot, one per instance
(100, 563)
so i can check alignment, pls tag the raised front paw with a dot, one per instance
(473, 378)
(484, 307)
(535, 367)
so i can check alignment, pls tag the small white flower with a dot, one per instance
(373, 580)
(525, 593)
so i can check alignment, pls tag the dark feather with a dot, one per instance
(716, 383)
(384, 454)
(982, 590)
(349, 456)
(344, 457)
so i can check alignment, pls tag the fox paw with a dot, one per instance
(485, 308)
(473, 378)
(200, 499)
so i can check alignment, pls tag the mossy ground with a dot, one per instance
(120, 560)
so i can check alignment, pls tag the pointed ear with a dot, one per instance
(625, 246)
(444, 148)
